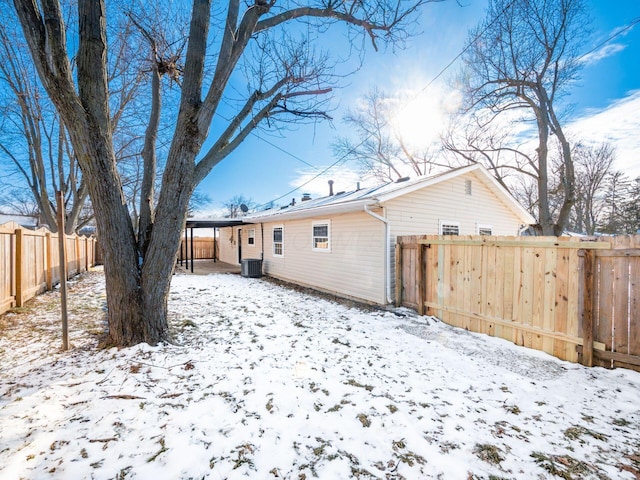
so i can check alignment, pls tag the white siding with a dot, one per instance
(354, 267)
(228, 244)
(420, 212)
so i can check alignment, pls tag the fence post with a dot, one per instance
(19, 267)
(398, 273)
(420, 283)
(49, 264)
(86, 254)
(587, 309)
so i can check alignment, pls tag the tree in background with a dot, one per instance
(592, 165)
(198, 201)
(238, 205)
(521, 59)
(617, 186)
(381, 150)
(286, 80)
(631, 208)
(33, 142)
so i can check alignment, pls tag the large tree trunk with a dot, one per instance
(138, 274)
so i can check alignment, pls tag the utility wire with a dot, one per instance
(633, 22)
(428, 85)
(407, 103)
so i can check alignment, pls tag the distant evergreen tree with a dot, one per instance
(631, 212)
(616, 194)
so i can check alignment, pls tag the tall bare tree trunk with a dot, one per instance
(138, 270)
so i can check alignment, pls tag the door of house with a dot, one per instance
(239, 245)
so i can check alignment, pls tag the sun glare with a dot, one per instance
(422, 117)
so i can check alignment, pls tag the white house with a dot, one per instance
(345, 243)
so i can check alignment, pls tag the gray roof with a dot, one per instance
(343, 202)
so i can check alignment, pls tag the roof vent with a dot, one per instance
(403, 179)
(305, 197)
(330, 188)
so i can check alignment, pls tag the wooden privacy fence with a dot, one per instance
(30, 262)
(575, 299)
(203, 247)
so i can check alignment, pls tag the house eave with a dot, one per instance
(319, 211)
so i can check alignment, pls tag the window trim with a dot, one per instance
(274, 243)
(328, 237)
(251, 236)
(484, 226)
(442, 223)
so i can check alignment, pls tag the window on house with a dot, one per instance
(449, 228)
(321, 239)
(251, 236)
(485, 230)
(278, 241)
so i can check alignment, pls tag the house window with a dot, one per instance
(321, 236)
(449, 228)
(278, 241)
(485, 230)
(251, 236)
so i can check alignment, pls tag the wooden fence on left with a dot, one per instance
(30, 262)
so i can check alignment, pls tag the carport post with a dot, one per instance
(191, 249)
(186, 242)
(214, 244)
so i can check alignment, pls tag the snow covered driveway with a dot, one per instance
(267, 382)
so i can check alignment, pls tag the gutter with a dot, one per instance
(317, 211)
(387, 249)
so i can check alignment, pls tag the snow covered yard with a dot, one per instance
(267, 382)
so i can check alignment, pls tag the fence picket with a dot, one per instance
(532, 291)
(30, 265)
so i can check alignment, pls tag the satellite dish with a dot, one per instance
(244, 208)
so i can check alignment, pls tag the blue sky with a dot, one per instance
(605, 103)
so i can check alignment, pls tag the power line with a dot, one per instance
(611, 37)
(407, 103)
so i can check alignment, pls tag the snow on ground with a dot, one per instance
(267, 382)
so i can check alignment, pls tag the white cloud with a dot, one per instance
(618, 124)
(603, 52)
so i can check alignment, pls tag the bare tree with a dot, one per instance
(287, 84)
(198, 201)
(522, 57)
(33, 140)
(238, 205)
(475, 137)
(381, 150)
(593, 164)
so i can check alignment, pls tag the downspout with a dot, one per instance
(262, 241)
(387, 250)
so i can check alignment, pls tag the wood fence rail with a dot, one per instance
(574, 299)
(30, 262)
